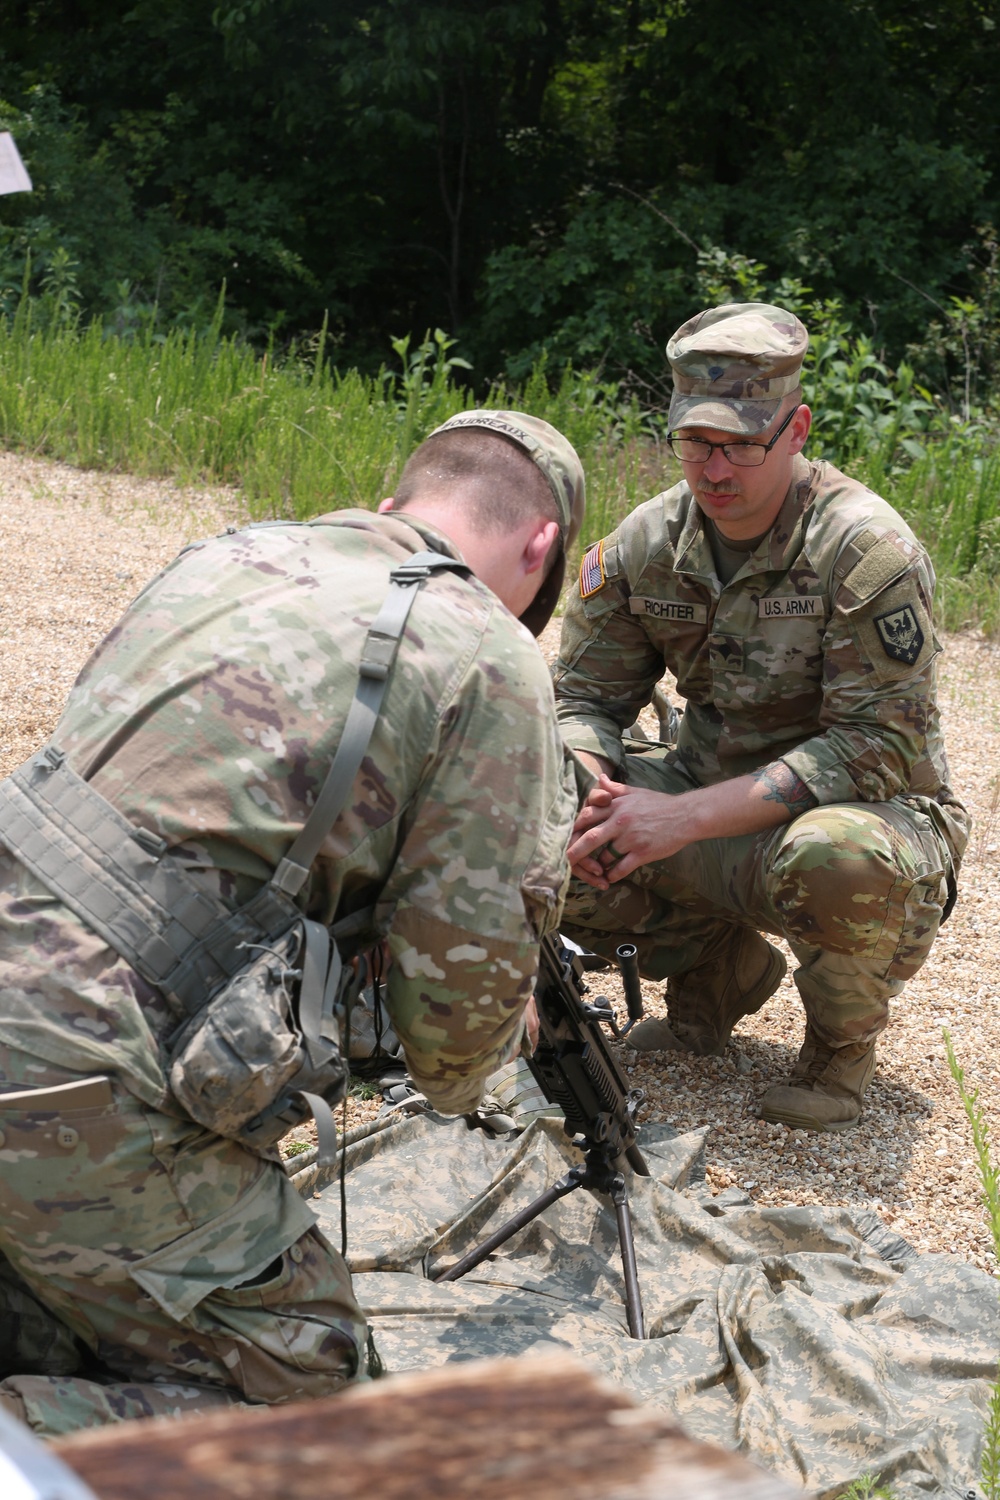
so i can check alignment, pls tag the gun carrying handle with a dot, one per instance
(627, 955)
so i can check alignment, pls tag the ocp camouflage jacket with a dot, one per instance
(819, 651)
(209, 716)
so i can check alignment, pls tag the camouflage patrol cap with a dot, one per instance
(563, 471)
(734, 365)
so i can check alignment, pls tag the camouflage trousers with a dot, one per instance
(857, 890)
(148, 1267)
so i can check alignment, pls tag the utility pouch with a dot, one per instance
(252, 1063)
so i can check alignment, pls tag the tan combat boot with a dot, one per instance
(825, 1089)
(705, 1004)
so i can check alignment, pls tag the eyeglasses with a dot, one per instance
(743, 455)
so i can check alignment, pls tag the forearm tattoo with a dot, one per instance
(781, 784)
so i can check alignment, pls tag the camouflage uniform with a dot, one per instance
(819, 652)
(187, 1265)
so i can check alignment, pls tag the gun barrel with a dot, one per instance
(627, 955)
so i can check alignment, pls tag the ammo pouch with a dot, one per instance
(262, 986)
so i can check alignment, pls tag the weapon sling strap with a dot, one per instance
(112, 875)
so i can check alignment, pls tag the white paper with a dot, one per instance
(13, 177)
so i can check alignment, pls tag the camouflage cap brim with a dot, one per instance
(748, 418)
(541, 609)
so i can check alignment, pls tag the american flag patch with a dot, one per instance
(592, 576)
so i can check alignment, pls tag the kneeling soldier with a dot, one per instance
(149, 1262)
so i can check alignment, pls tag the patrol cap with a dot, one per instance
(563, 471)
(734, 365)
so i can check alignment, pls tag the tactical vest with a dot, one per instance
(261, 987)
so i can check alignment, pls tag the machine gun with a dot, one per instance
(575, 1068)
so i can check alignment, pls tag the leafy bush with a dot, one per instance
(606, 294)
(76, 235)
(960, 350)
(863, 411)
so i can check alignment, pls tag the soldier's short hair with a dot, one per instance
(499, 484)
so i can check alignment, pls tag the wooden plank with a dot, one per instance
(544, 1428)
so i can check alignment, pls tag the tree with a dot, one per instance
(528, 174)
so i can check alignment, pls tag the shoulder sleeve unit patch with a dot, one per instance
(592, 574)
(900, 634)
(895, 633)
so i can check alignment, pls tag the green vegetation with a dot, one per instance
(299, 437)
(295, 435)
(989, 1177)
(951, 497)
(866, 1487)
(363, 1088)
(557, 184)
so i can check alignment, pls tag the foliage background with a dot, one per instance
(530, 174)
(274, 242)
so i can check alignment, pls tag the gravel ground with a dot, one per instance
(911, 1159)
(76, 547)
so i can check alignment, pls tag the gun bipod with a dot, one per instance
(599, 1172)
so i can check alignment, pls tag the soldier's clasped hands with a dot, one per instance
(619, 828)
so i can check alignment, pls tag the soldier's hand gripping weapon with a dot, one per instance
(575, 1068)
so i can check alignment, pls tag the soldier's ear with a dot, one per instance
(386, 505)
(539, 545)
(799, 429)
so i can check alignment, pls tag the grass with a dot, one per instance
(989, 1178)
(299, 437)
(950, 495)
(296, 436)
(866, 1487)
(363, 1088)
(296, 1148)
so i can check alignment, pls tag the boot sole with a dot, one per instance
(807, 1122)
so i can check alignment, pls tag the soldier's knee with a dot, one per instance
(849, 880)
(835, 881)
